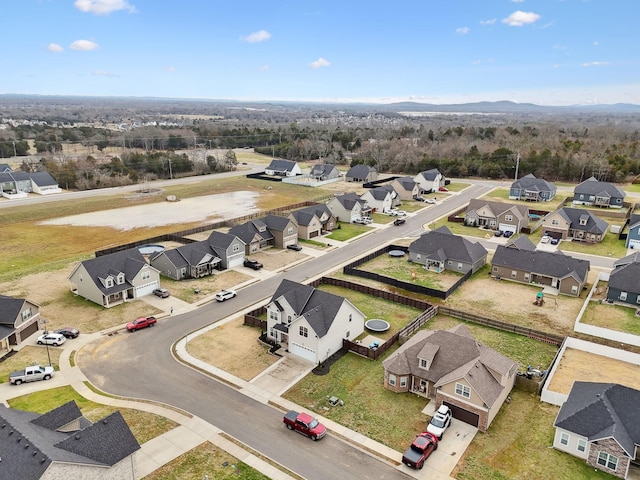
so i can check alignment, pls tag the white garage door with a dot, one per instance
(505, 227)
(235, 262)
(303, 352)
(635, 244)
(146, 289)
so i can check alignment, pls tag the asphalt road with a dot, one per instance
(140, 365)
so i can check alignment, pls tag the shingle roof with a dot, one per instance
(10, 308)
(129, 262)
(531, 183)
(591, 186)
(280, 165)
(551, 264)
(348, 200)
(626, 274)
(441, 241)
(430, 174)
(575, 215)
(248, 231)
(379, 193)
(407, 183)
(360, 171)
(276, 222)
(322, 170)
(42, 179)
(521, 243)
(602, 410)
(498, 208)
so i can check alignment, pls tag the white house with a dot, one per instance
(379, 199)
(311, 323)
(348, 207)
(430, 180)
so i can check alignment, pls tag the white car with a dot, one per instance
(401, 213)
(431, 200)
(440, 421)
(545, 239)
(223, 295)
(55, 339)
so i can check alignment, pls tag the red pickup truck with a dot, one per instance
(423, 446)
(305, 424)
(142, 322)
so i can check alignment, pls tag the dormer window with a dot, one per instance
(120, 279)
(424, 363)
(108, 282)
(583, 220)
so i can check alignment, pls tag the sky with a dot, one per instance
(547, 52)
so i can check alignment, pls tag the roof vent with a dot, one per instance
(11, 432)
(35, 452)
(19, 439)
(105, 421)
(42, 460)
(26, 446)
(77, 437)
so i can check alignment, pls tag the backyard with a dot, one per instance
(613, 317)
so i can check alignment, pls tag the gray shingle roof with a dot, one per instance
(348, 200)
(129, 262)
(42, 179)
(360, 171)
(602, 410)
(430, 174)
(521, 243)
(408, 183)
(531, 183)
(280, 165)
(551, 264)
(441, 241)
(634, 220)
(626, 274)
(10, 308)
(575, 215)
(498, 208)
(591, 186)
(323, 170)
(379, 193)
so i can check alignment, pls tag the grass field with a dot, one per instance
(613, 317)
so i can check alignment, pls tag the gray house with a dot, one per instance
(62, 443)
(193, 260)
(599, 194)
(19, 319)
(19, 184)
(633, 235)
(324, 172)
(440, 250)
(269, 231)
(532, 189)
(348, 207)
(624, 281)
(567, 275)
(113, 279)
(600, 423)
(361, 174)
(228, 248)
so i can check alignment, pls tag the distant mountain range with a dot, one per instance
(505, 106)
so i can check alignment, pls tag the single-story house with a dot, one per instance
(19, 184)
(310, 323)
(283, 168)
(379, 199)
(568, 275)
(324, 172)
(532, 189)
(454, 369)
(19, 319)
(62, 443)
(633, 235)
(406, 187)
(624, 281)
(575, 223)
(430, 180)
(193, 260)
(600, 423)
(348, 207)
(361, 174)
(440, 250)
(313, 221)
(599, 194)
(115, 278)
(269, 231)
(496, 215)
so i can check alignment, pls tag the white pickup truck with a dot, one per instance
(32, 373)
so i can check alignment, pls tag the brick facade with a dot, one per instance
(609, 445)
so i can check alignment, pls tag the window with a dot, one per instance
(424, 364)
(146, 275)
(120, 279)
(350, 316)
(574, 289)
(623, 296)
(460, 266)
(527, 276)
(449, 262)
(288, 318)
(582, 445)
(508, 218)
(495, 269)
(564, 439)
(607, 460)
(403, 381)
(26, 313)
(417, 256)
(463, 390)
(514, 274)
(109, 282)
(304, 331)
(273, 315)
(392, 380)
(348, 333)
(236, 247)
(555, 222)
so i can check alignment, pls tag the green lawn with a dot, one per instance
(502, 195)
(613, 317)
(347, 231)
(609, 247)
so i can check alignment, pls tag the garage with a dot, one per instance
(505, 227)
(463, 415)
(235, 262)
(634, 244)
(146, 289)
(303, 352)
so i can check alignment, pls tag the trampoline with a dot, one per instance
(149, 249)
(377, 325)
(396, 253)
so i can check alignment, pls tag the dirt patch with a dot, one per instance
(513, 302)
(234, 348)
(578, 365)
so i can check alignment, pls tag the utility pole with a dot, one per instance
(517, 165)
(170, 172)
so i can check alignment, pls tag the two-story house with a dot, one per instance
(430, 180)
(313, 221)
(269, 231)
(624, 281)
(19, 319)
(406, 187)
(575, 223)
(599, 194)
(379, 199)
(348, 207)
(311, 323)
(361, 174)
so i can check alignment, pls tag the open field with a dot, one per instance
(578, 365)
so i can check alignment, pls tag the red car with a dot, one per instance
(142, 322)
(424, 445)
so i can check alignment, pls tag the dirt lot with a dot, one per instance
(578, 365)
(513, 302)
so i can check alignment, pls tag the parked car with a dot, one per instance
(399, 221)
(55, 339)
(256, 265)
(32, 373)
(161, 292)
(420, 199)
(432, 201)
(223, 295)
(401, 213)
(362, 221)
(443, 189)
(68, 332)
(440, 421)
(545, 239)
(554, 241)
(305, 424)
(424, 445)
(295, 246)
(392, 212)
(508, 233)
(142, 322)
(498, 233)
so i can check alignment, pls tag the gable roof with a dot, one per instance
(591, 186)
(498, 208)
(634, 220)
(280, 165)
(407, 183)
(129, 262)
(249, 231)
(552, 264)
(31, 442)
(10, 308)
(4, 167)
(348, 200)
(276, 222)
(574, 216)
(441, 244)
(531, 183)
(42, 179)
(322, 170)
(602, 410)
(430, 175)
(360, 171)
(521, 243)
(626, 274)
(452, 354)
(379, 193)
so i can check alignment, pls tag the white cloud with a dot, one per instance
(54, 47)
(103, 7)
(85, 45)
(491, 21)
(519, 18)
(462, 30)
(255, 37)
(102, 73)
(517, 1)
(320, 62)
(263, 68)
(594, 64)
(169, 69)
